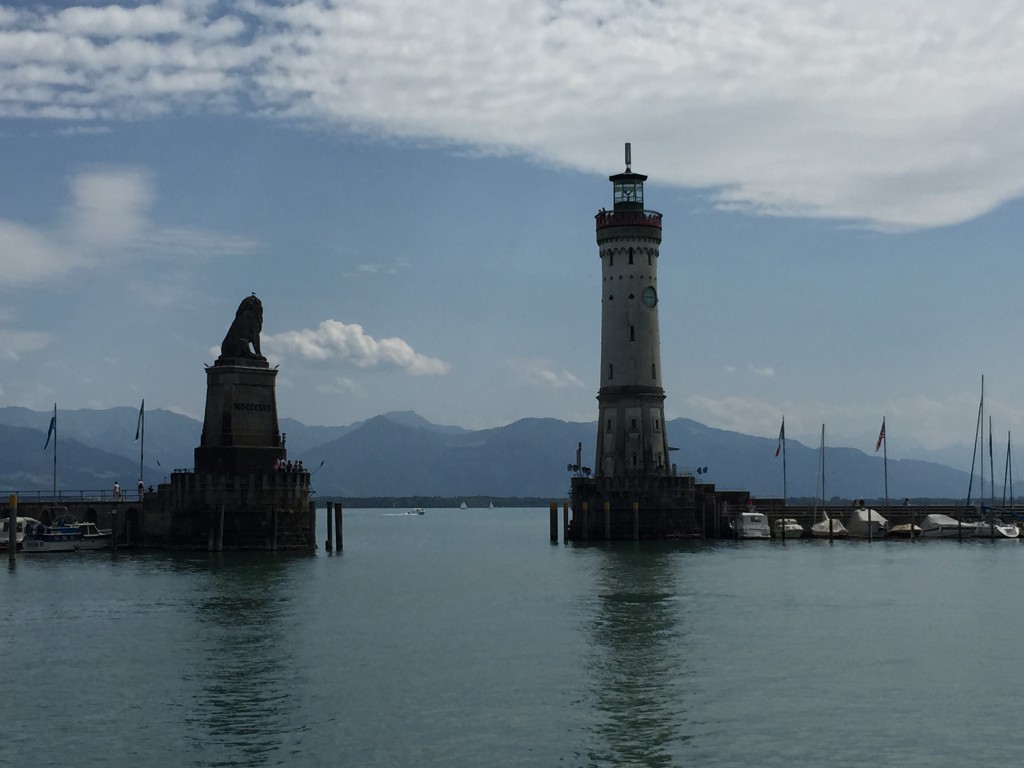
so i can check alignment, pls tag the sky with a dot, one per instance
(409, 187)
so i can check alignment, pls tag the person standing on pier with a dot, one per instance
(117, 491)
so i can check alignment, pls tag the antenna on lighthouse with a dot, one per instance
(629, 160)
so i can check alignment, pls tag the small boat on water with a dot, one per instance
(829, 527)
(787, 528)
(417, 511)
(749, 525)
(20, 524)
(40, 539)
(93, 537)
(905, 531)
(867, 523)
(991, 527)
(939, 526)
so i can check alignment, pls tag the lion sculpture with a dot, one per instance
(245, 330)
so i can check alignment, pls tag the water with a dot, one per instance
(464, 639)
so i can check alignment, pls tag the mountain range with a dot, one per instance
(403, 454)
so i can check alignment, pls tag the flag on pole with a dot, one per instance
(881, 437)
(52, 429)
(782, 436)
(138, 426)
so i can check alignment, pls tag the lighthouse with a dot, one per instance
(633, 490)
(631, 439)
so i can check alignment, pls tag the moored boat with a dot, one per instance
(41, 538)
(939, 526)
(787, 528)
(829, 527)
(93, 537)
(20, 524)
(866, 523)
(749, 525)
(994, 528)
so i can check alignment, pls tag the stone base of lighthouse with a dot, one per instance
(662, 507)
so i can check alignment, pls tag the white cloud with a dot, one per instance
(538, 371)
(15, 343)
(767, 372)
(892, 114)
(109, 208)
(28, 256)
(108, 218)
(335, 341)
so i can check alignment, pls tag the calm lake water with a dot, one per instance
(465, 639)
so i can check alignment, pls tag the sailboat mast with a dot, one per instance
(142, 441)
(54, 450)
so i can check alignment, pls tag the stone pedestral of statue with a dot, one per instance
(241, 435)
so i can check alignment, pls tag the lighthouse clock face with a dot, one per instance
(650, 296)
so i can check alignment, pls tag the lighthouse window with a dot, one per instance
(611, 259)
(609, 427)
(630, 255)
(649, 259)
(632, 333)
(654, 374)
(611, 371)
(657, 425)
(632, 424)
(634, 459)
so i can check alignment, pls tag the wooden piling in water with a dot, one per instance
(220, 528)
(113, 529)
(312, 524)
(339, 536)
(273, 540)
(328, 546)
(565, 522)
(636, 521)
(607, 520)
(12, 527)
(553, 521)
(586, 520)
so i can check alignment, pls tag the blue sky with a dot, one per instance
(410, 189)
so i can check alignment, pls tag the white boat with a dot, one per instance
(93, 537)
(749, 525)
(867, 523)
(829, 527)
(20, 523)
(788, 528)
(939, 526)
(463, 506)
(905, 530)
(417, 511)
(994, 528)
(41, 539)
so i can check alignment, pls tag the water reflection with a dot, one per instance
(243, 712)
(639, 667)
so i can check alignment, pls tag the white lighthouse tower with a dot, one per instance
(634, 491)
(631, 439)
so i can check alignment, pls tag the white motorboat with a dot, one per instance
(41, 539)
(994, 528)
(866, 523)
(939, 526)
(93, 537)
(787, 528)
(829, 527)
(20, 523)
(749, 525)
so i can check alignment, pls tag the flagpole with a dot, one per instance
(140, 434)
(785, 495)
(54, 450)
(885, 467)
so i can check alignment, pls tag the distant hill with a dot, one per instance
(401, 454)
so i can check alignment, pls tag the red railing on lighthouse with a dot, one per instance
(628, 219)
